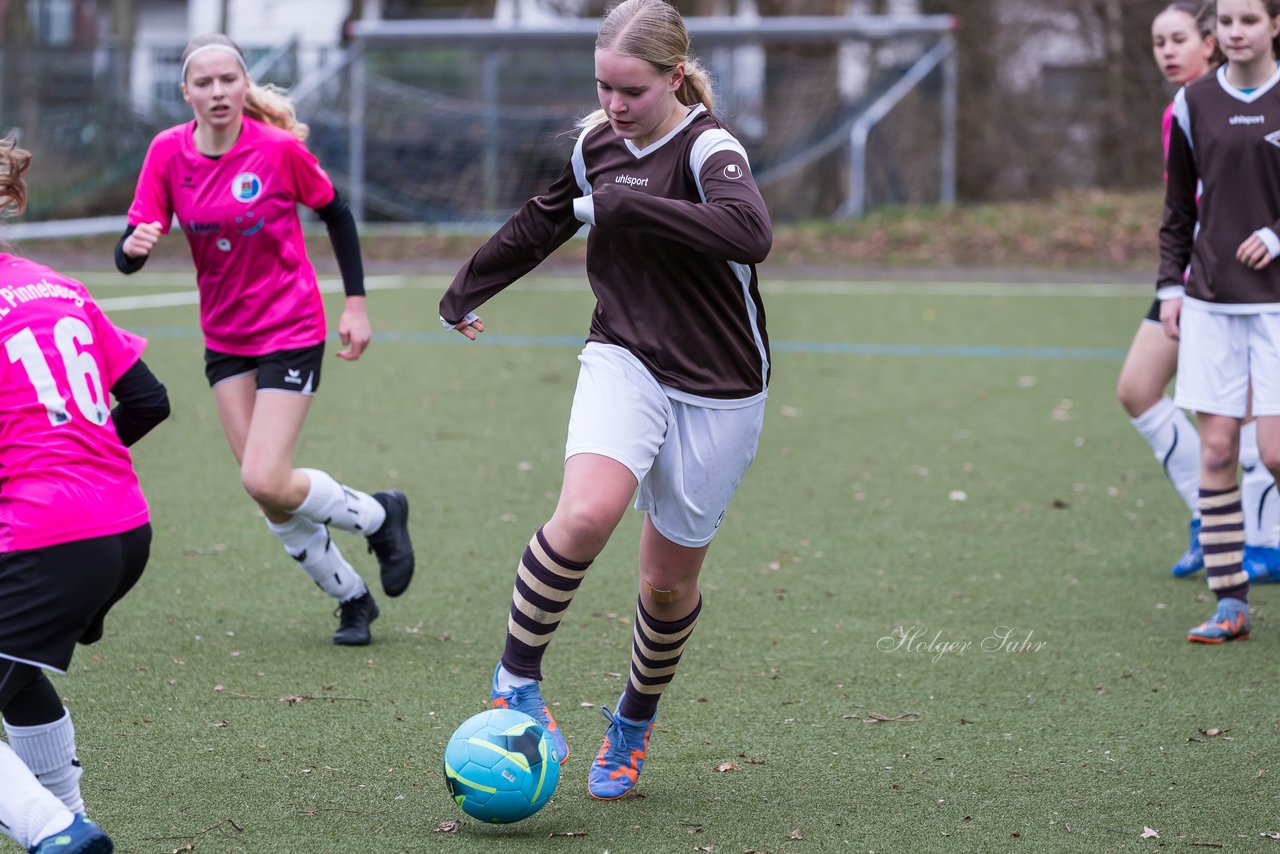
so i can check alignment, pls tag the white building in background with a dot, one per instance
(165, 26)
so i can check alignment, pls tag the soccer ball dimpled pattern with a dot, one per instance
(500, 766)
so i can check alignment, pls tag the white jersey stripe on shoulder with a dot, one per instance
(580, 163)
(1182, 115)
(707, 144)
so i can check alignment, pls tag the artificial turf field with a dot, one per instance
(938, 616)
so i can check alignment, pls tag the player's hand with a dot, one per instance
(1170, 311)
(470, 326)
(1253, 253)
(353, 329)
(143, 239)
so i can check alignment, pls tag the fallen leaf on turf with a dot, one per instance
(704, 848)
(796, 835)
(448, 826)
(1210, 732)
(1150, 833)
(569, 833)
(727, 766)
(877, 718)
(1270, 835)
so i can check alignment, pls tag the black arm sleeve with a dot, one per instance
(341, 225)
(141, 403)
(124, 263)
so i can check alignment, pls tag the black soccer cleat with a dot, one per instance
(354, 617)
(391, 543)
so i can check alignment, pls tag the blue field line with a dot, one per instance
(837, 348)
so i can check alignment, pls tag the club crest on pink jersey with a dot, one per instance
(246, 187)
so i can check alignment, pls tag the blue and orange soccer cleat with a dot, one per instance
(528, 699)
(621, 758)
(1192, 560)
(80, 837)
(1261, 564)
(1229, 622)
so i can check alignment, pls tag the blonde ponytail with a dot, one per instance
(271, 104)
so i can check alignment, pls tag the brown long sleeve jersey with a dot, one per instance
(1226, 144)
(677, 229)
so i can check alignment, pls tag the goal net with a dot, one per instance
(461, 121)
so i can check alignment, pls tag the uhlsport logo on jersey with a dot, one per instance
(733, 172)
(246, 187)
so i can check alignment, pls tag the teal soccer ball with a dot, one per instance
(500, 766)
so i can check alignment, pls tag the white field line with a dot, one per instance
(1058, 290)
(191, 297)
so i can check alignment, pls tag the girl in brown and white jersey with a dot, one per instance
(1224, 173)
(673, 378)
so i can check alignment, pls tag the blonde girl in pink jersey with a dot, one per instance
(74, 526)
(233, 178)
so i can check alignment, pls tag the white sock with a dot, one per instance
(49, 750)
(28, 811)
(1176, 443)
(1258, 494)
(330, 503)
(309, 544)
(508, 680)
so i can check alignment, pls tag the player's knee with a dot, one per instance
(1136, 396)
(1217, 454)
(667, 594)
(585, 525)
(1270, 458)
(264, 487)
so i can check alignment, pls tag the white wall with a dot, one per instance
(253, 23)
(165, 27)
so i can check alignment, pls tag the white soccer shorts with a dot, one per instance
(688, 459)
(1220, 354)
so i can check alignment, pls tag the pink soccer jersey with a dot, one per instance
(239, 211)
(63, 473)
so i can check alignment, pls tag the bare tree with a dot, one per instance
(1029, 123)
